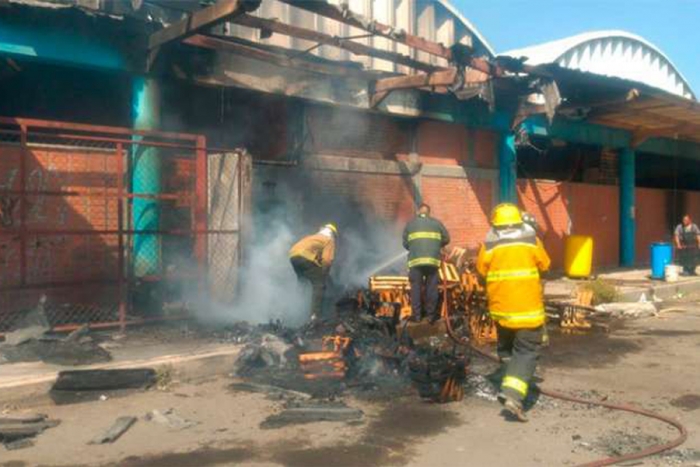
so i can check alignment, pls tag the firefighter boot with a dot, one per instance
(513, 407)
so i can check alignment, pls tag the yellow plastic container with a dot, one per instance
(578, 256)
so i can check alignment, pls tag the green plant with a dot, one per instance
(603, 291)
(164, 377)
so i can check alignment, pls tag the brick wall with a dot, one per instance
(652, 220)
(578, 209)
(441, 143)
(55, 252)
(692, 206)
(342, 132)
(595, 211)
(353, 197)
(61, 257)
(462, 205)
(548, 202)
(346, 196)
(449, 144)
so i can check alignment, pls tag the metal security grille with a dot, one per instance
(110, 224)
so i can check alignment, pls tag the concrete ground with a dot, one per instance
(650, 362)
(194, 354)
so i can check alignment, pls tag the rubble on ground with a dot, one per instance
(313, 411)
(627, 310)
(31, 326)
(89, 385)
(18, 432)
(169, 418)
(120, 426)
(31, 343)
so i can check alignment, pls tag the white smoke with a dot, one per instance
(363, 251)
(268, 288)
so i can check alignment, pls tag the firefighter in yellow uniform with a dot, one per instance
(312, 258)
(511, 260)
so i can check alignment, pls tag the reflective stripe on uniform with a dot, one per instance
(424, 235)
(426, 261)
(518, 317)
(512, 275)
(505, 245)
(515, 384)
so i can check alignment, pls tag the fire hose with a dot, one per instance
(650, 451)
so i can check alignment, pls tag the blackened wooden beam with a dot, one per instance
(344, 15)
(326, 39)
(200, 20)
(421, 80)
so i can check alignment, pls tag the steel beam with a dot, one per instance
(200, 20)
(326, 39)
(344, 15)
(507, 160)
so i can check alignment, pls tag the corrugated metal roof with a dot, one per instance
(611, 53)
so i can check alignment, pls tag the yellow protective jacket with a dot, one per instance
(317, 248)
(511, 260)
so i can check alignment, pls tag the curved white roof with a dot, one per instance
(611, 53)
(468, 25)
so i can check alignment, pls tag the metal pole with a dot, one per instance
(146, 178)
(120, 237)
(23, 207)
(200, 210)
(506, 168)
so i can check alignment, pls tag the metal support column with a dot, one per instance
(507, 170)
(627, 207)
(146, 179)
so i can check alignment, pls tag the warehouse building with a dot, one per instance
(120, 116)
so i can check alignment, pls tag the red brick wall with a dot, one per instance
(576, 208)
(450, 144)
(62, 257)
(692, 205)
(548, 202)
(652, 221)
(462, 205)
(485, 148)
(441, 143)
(595, 211)
(377, 197)
(350, 133)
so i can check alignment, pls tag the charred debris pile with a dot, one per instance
(353, 352)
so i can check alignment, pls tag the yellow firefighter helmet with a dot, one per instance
(506, 214)
(332, 227)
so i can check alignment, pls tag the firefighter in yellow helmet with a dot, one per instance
(511, 260)
(312, 258)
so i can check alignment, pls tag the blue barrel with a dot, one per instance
(661, 255)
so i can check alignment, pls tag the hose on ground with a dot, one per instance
(650, 451)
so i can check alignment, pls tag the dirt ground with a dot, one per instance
(650, 362)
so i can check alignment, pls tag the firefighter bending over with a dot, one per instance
(424, 238)
(311, 258)
(511, 259)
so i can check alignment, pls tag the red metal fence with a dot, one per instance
(66, 227)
